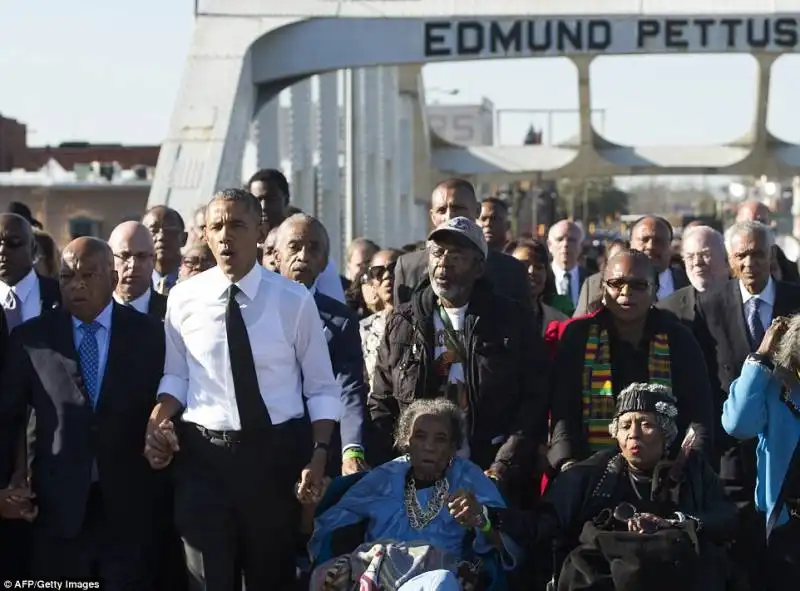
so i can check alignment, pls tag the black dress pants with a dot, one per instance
(117, 557)
(783, 557)
(235, 507)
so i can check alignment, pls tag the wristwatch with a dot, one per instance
(322, 445)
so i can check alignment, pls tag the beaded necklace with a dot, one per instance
(598, 400)
(417, 516)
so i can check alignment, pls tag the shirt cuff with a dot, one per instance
(322, 407)
(353, 446)
(175, 387)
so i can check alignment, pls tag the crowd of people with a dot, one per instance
(211, 406)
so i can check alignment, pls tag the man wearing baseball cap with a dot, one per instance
(460, 340)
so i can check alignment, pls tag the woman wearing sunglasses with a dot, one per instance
(378, 280)
(626, 341)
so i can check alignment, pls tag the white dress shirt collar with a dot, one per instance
(23, 288)
(767, 295)
(140, 304)
(248, 284)
(103, 318)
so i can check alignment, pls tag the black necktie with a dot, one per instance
(252, 410)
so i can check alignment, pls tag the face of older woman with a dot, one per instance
(430, 446)
(381, 275)
(628, 288)
(640, 439)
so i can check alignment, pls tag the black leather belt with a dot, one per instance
(220, 438)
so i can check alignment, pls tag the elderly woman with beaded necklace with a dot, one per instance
(427, 496)
(764, 402)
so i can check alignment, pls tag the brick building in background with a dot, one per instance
(76, 188)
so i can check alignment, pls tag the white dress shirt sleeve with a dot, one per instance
(330, 284)
(175, 381)
(320, 388)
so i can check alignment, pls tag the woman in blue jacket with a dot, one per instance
(764, 402)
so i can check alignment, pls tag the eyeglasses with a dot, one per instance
(695, 257)
(634, 283)
(195, 263)
(378, 272)
(126, 258)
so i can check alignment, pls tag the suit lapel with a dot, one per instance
(784, 306)
(68, 355)
(734, 320)
(49, 293)
(679, 278)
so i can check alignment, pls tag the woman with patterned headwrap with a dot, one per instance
(626, 341)
(648, 513)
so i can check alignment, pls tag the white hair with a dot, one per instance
(714, 238)
(749, 228)
(572, 228)
(789, 346)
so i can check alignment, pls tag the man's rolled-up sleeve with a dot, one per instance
(175, 381)
(320, 388)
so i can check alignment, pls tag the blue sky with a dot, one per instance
(108, 71)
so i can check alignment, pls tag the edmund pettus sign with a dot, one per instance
(564, 36)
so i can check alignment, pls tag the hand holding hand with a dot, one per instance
(161, 443)
(647, 523)
(15, 503)
(313, 483)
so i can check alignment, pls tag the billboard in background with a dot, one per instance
(463, 125)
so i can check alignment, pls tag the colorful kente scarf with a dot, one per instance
(598, 400)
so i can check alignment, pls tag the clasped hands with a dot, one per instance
(16, 502)
(160, 443)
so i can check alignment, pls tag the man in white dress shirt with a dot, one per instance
(134, 257)
(246, 355)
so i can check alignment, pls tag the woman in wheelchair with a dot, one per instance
(640, 515)
(418, 522)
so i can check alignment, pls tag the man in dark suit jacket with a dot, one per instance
(450, 199)
(134, 255)
(24, 295)
(703, 253)
(759, 212)
(730, 324)
(301, 254)
(564, 241)
(340, 324)
(90, 371)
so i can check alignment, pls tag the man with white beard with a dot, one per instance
(459, 339)
(703, 252)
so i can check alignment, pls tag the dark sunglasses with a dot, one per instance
(377, 272)
(634, 283)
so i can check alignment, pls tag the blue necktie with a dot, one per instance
(754, 324)
(89, 354)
